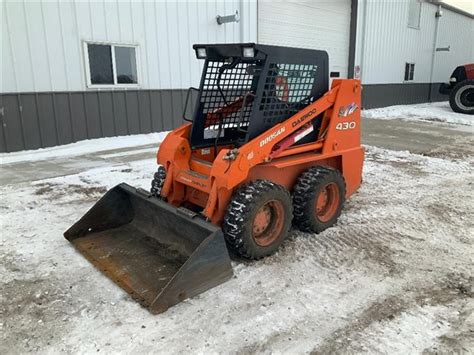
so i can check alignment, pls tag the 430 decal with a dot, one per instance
(343, 126)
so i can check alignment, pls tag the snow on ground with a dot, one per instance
(436, 111)
(393, 276)
(83, 147)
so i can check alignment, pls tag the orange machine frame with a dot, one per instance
(208, 178)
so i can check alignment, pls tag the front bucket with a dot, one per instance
(159, 254)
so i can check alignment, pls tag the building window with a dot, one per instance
(409, 71)
(111, 65)
(414, 13)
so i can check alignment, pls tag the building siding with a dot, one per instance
(385, 43)
(389, 43)
(43, 41)
(381, 95)
(45, 119)
(457, 32)
(44, 97)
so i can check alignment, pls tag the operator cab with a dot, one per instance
(246, 89)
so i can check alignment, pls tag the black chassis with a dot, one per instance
(458, 75)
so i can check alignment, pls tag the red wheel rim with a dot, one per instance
(268, 223)
(327, 202)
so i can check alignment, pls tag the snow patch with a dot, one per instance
(83, 147)
(406, 229)
(411, 332)
(435, 111)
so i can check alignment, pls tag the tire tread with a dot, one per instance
(306, 187)
(239, 212)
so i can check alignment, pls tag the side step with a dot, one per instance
(155, 252)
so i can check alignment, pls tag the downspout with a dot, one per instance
(433, 55)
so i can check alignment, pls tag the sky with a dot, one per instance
(466, 5)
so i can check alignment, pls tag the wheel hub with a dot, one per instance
(327, 202)
(465, 97)
(262, 220)
(268, 223)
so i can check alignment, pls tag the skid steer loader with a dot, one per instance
(268, 145)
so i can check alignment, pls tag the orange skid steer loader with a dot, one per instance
(268, 145)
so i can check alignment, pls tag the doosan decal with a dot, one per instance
(271, 136)
(303, 118)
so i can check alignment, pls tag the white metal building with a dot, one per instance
(426, 40)
(82, 69)
(45, 43)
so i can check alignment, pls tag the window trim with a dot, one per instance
(411, 69)
(115, 85)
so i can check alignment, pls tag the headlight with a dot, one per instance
(248, 52)
(201, 53)
(452, 80)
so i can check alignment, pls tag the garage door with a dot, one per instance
(308, 24)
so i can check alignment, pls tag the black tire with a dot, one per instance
(461, 98)
(158, 181)
(308, 187)
(260, 197)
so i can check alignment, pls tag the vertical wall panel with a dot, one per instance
(139, 26)
(78, 116)
(16, 24)
(98, 16)
(71, 45)
(3, 145)
(91, 104)
(248, 20)
(150, 54)
(193, 35)
(133, 114)
(120, 113)
(30, 126)
(42, 72)
(177, 98)
(167, 109)
(184, 45)
(157, 123)
(63, 118)
(12, 123)
(46, 118)
(145, 111)
(54, 46)
(107, 114)
(8, 73)
(111, 21)
(125, 21)
(169, 52)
